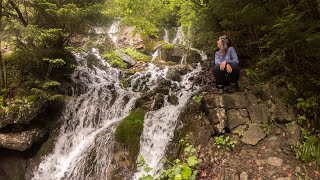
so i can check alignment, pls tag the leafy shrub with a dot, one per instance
(197, 98)
(56, 63)
(179, 169)
(226, 142)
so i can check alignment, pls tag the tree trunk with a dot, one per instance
(1, 74)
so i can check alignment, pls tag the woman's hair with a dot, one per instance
(224, 46)
(226, 40)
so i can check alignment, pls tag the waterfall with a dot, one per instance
(113, 31)
(166, 36)
(159, 126)
(84, 146)
(178, 39)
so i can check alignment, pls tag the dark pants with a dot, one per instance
(223, 78)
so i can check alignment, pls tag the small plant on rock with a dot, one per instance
(225, 142)
(197, 98)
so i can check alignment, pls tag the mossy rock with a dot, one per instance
(129, 131)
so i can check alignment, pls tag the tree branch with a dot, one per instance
(15, 7)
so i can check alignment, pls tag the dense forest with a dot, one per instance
(277, 41)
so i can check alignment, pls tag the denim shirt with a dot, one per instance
(230, 57)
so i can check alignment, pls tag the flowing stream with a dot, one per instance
(84, 147)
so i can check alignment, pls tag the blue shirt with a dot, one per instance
(230, 57)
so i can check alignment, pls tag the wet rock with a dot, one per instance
(283, 112)
(12, 165)
(175, 72)
(158, 102)
(244, 176)
(24, 116)
(218, 119)
(174, 53)
(259, 113)
(193, 57)
(274, 161)
(126, 58)
(235, 119)
(21, 141)
(173, 100)
(253, 135)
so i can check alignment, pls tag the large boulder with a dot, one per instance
(236, 118)
(21, 141)
(253, 135)
(23, 116)
(175, 72)
(193, 57)
(126, 58)
(174, 53)
(130, 38)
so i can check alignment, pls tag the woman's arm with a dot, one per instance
(234, 56)
(217, 59)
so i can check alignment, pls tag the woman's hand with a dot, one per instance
(223, 65)
(229, 68)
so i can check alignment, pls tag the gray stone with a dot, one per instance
(218, 119)
(244, 176)
(274, 161)
(21, 141)
(126, 58)
(253, 135)
(235, 119)
(251, 99)
(24, 115)
(229, 101)
(294, 133)
(283, 112)
(259, 113)
(239, 100)
(213, 101)
(175, 72)
(244, 112)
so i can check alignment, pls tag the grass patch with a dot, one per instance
(137, 55)
(129, 131)
(168, 46)
(114, 60)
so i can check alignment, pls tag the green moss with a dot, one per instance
(46, 147)
(168, 46)
(129, 131)
(114, 60)
(171, 63)
(137, 55)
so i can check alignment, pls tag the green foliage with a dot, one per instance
(50, 84)
(56, 63)
(168, 46)
(197, 98)
(179, 169)
(310, 150)
(129, 131)
(115, 60)
(184, 168)
(266, 128)
(136, 55)
(225, 142)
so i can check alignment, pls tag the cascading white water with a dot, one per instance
(85, 144)
(202, 54)
(166, 36)
(178, 39)
(113, 31)
(159, 126)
